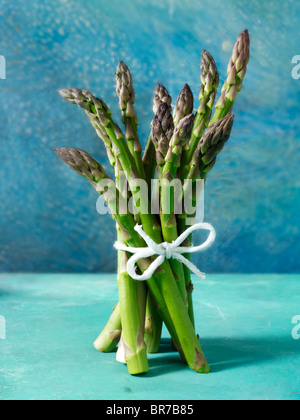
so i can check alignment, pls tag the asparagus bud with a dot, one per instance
(125, 89)
(85, 100)
(210, 83)
(82, 163)
(126, 96)
(162, 132)
(97, 111)
(236, 72)
(210, 145)
(184, 105)
(207, 95)
(181, 135)
(102, 116)
(237, 65)
(161, 95)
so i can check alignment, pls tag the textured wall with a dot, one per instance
(48, 219)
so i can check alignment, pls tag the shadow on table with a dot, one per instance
(165, 362)
(226, 353)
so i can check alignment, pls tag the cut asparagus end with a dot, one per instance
(137, 364)
(110, 336)
(107, 341)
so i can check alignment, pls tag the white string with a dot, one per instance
(165, 250)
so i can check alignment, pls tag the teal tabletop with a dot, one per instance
(248, 327)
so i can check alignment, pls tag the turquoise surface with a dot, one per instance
(245, 324)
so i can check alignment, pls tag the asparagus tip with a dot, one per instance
(161, 95)
(184, 105)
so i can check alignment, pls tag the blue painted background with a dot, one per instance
(48, 219)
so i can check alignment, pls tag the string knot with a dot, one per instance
(165, 250)
(168, 249)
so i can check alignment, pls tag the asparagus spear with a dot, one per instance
(167, 208)
(236, 72)
(127, 286)
(209, 85)
(132, 327)
(103, 136)
(87, 167)
(162, 285)
(82, 163)
(121, 151)
(161, 134)
(168, 146)
(161, 95)
(180, 136)
(237, 68)
(209, 147)
(110, 336)
(153, 326)
(202, 162)
(162, 131)
(205, 156)
(207, 95)
(184, 105)
(126, 96)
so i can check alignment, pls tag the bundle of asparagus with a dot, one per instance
(182, 146)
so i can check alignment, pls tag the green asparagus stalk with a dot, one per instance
(132, 327)
(103, 136)
(153, 326)
(167, 207)
(126, 96)
(184, 105)
(194, 162)
(202, 162)
(168, 147)
(108, 340)
(110, 336)
(205, 157)
(140, 286)
(237, 68)
(162, 285)
(92, 104)
(172, 309)
(207, 95)
(87, 167)
(129, 289)
(180, 136)
(161, 95)
(162, 132)
(183, 108)
(121, 151)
